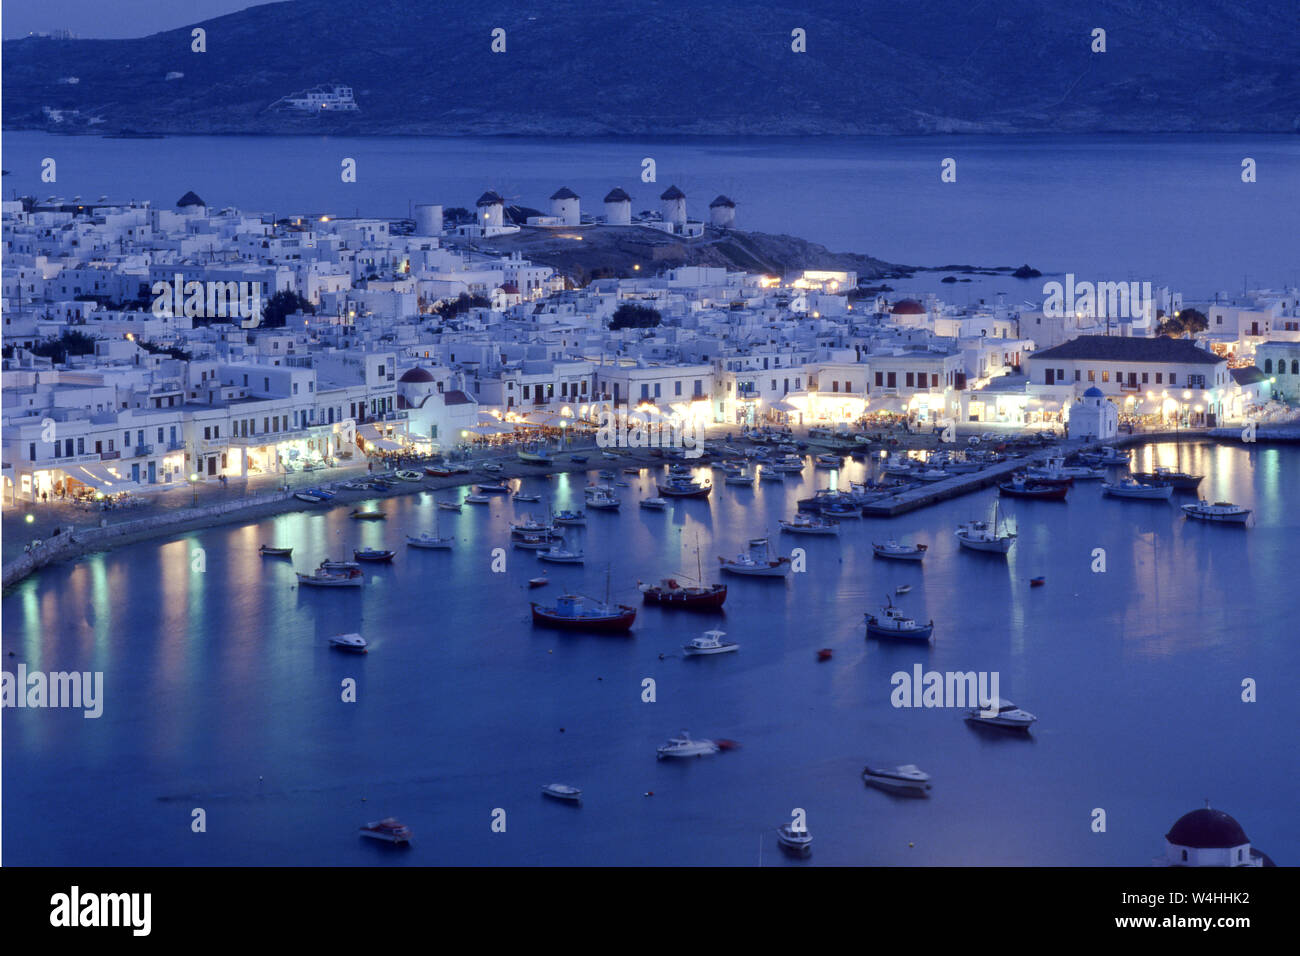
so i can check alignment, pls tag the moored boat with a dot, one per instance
(669, 593)
(683, 486)
(359, 515)
(895, 551)
(308, 497)
(684, 745)
(1128, 488)
(1005, 715)
(569, 518)
(1033, 488)
(332, 579)
(429, 541)
(574, 613)
(1224, 511)
(380, 555)
(409, 476)
(562, 791)
(354, 643)
(794, 841)
(450, 506)
(654, 504)
(801, 523)
(981, 536)
(389, 830)
(907, 778)
(758, 561)
(891, 623)
(269, 552)
(1179, 480)
(710, 642)
(493, 488)
(601, 498)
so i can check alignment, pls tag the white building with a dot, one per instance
(618, 208)
(1209, 837)
(1093, 416)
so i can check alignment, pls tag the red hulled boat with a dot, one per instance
(574, 613)
(668, 593)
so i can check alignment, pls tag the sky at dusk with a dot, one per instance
(110, 19)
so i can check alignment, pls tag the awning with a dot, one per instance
(384, 444)
(490, 430)
(96, 476)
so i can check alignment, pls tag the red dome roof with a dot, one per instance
(908, 307)
(416, 374)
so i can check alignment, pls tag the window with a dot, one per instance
(31, 451)
(835, 386)
(645, 391)
(207, 433)
(266, 384)
(880, 380)
(891, 380)
(934, 380)
(910, 379)
(1076, 375)
(1268, 366)
(1295, 367)
(1060, 375)
(677, 387)
(1160, 377)
(81, 446)
(699, 388)
(1173, 378)
(1092, 376)
(526, 387)
(1105, 376)
(656, 389)
(1144, 378)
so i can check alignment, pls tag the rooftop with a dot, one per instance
(1118, 348)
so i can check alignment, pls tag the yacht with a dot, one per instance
(796, 841)
(1224, 511)
(710, 642)
(683, 745)
(1008, 716)
(388, 830)
(906, 778)
(758, 561)
(981, 536)
(349, 642)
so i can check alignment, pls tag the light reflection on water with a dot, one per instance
(217, 678)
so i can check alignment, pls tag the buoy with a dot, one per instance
(550, 652)
(649, 793)
(600, 678)
(561, 730)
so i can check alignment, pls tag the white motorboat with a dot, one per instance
(981, 536)
(1128, 488)
(1107, 456)
(389, 830)
(788, 465)
(530, 526)
(525, 498)
(1224, 511)
(601, 498)
(429, 541)
(308, 497)
(738, 478)
(758, 561)
(558, 555)
(450, 506)
(899, 552)
(562, 791)
(477, 499)
(569, 518)
(803, 523)
(654, 504)
(683, 745)
(532, 542)
(710, 642)
(1008, 716)
(768, 473)
(796, 841)
(906, 778)
(349, 642)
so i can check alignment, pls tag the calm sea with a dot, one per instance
(221, 693)
(1169, 209)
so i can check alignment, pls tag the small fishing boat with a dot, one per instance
(531, 526)
(601, 498)
(892, 624)
(631, 471)
(907, 778)
(1128, 488)
(492, 468)
(525, 498)
(354, 643)
(493, 488)
(1179, 480)
(580, 459)
(903, 589)
(605, 475)
(1107, 456)
(331, 579)
(668, 593)
(535, 455)
(437, 471)
(931, 474)
(539, 582)
(1224, 511)
(308, 497)
(532, 542)
(330, 565)
(409, 476)
(359, 515)
(572, 612)
(899, 552)
(841, 510)
(379, 555)
(477, 499)
(981, 536)
(770, 474)
(1005, 715)
(389, 830)
(828, 461)
(804, 524)
(267, 551)
(683, 745)
(824, 654)
(683, 486)
(1037, 582)
(710, 642)
(450, 506)
(1033, 488)
(569, 518)
(758, 561)
(557, 555)
(798, 842)
(562, 791)
(429, 541)
(738, 478)
(654, 504)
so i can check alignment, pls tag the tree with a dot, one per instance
(632, 316)
(1185, 323)
(69, 343)
(457, 215)
(448, 309)
(284, 303)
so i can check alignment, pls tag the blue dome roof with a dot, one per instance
(1094, 392)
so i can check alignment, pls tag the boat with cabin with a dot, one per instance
(895, 551)
(710, 642)
(1221, 511)
(757, 561)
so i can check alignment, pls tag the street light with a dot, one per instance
(194, 482)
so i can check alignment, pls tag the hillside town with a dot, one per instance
(148, 347)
